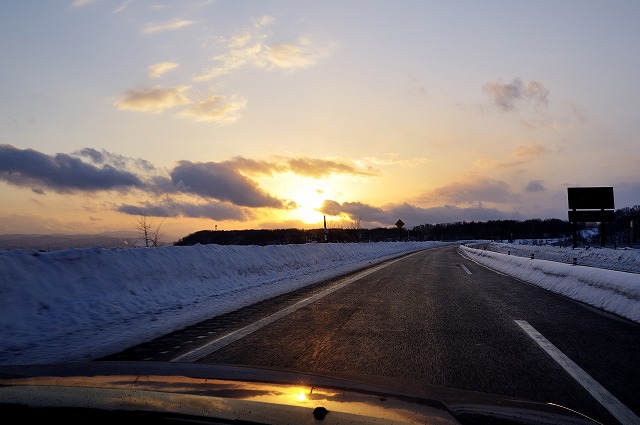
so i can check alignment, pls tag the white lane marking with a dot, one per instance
(465, 269)
(225, 340)
(460, 253)
(604, 397)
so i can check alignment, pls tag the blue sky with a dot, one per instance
(272, 114)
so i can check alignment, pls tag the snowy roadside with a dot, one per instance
(621, 259)
(85, 303)
(614, 291)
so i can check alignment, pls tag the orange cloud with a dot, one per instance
(155, 99)
(216, 108)
(159, 69)
(521, 155)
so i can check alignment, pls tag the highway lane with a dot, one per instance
(440, 319)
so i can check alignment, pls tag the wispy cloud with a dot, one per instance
(579, 113)
(247, 48)
(301, 165)
(159, 69)
(315, 167)
(519, 156)
(294, 55)
(154, 99)
(474, 191)
(123, 6)
(530, 151)
(80, 3)
(395, 160)
(251, 48)
(216, 108)
(167, 26)
(506, 96)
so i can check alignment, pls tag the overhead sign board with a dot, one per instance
(590, 198)
(590, 204)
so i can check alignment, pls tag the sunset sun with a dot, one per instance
(309, 202)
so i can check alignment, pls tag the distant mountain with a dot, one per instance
(54, 242)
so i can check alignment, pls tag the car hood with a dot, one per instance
(188, 392)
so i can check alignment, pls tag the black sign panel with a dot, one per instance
(596, 216)
(590, 198)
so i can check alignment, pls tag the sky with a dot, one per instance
(83, 304)
(203, 115)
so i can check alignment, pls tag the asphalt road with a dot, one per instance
(433, 317)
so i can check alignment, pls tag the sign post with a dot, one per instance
(399, 225)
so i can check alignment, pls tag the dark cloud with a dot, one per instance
(330, 207)
(118, 161)
(228, 193)
(387, 215)
(355, 210)
(60, 172)
(169, 208)
(215, 180)
(534, 186)
(161, 185)
(505, 96)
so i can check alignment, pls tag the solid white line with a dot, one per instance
(604, 397)
(225, 340)
(465, 269)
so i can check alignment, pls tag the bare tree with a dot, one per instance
(354, 228)
(149, 236)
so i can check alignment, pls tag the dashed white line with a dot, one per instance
(604, 397)
(465, 269)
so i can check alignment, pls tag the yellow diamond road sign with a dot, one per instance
(399, 224)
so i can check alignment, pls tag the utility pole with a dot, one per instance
(325, 228)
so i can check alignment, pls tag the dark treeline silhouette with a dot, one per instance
(620, 232)
(626, 228)
(495, 230)
(291, 236)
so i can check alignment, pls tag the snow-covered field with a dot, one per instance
(80, 304)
